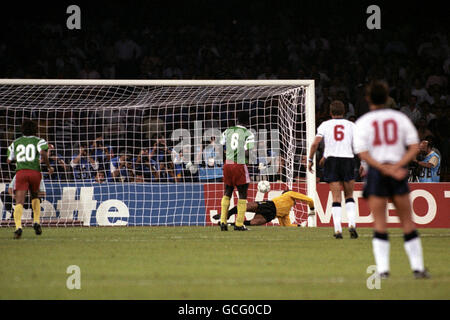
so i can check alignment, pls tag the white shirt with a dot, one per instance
(385, 134)
(338, 137)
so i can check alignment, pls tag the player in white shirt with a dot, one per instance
(337, 134)
(387, 141)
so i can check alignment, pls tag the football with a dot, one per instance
(264, 186)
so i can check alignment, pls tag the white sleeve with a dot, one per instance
(321, 130)
(223, 138)
(360, 137)
(12, 155)
(41, 144)
(250, 140)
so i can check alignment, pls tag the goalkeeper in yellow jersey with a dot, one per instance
(279, 207)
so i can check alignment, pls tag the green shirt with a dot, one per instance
(26, 151)
(237, 139)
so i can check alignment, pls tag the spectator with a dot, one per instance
(88, 72)
(437, 78)
(100, 177)
(166, 172)
(83, 164)
(212, 154)
(419, 91)
(429, 163)
(57, 162)
(121, 168)
(145, 168)
(349, 109)
(103, 154)
(412, 109)
(153, 125)
(126, 51)
(426, 112)
(422, 129)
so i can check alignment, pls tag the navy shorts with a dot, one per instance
(267, 209)
(380, 185)
(339, 169)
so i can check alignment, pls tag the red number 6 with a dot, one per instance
(338, 132)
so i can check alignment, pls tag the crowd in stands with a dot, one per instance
(413, 58)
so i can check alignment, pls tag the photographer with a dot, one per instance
(145, 168)
(161, 154)
(428, 162)
(83, 164)
(122, 168)
(103, 155)
(57, 162)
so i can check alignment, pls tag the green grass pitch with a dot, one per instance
(184, 263)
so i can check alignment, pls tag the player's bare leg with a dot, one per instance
(336, 210)
(19, 196)
(36, 206)
(241, 207)
(380, 242)
(413, 244)
(350, 208)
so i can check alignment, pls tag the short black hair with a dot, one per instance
(378, 92)
(242, 117)
(29, 128)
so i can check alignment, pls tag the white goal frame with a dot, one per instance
(309, 103)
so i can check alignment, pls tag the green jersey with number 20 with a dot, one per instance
(237, 139)
(26, 151)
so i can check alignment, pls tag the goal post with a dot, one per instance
(109, 128)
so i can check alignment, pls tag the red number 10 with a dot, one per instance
(390, 132)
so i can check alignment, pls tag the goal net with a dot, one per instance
(147, 153)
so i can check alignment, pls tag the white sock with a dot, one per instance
(413, 250)
(381, 253)
(337, 213)
(351, 213)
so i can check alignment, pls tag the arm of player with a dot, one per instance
(410, 155)
(44, 157)
(11, 155)
(312, 152)
(223, 138)
(398, 173)
(412, 141)
(302, 197)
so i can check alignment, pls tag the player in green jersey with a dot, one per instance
(238, 140)
(27, 151)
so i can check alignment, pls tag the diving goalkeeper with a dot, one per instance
(279, 207)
